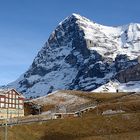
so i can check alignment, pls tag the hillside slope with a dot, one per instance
(116, 117)
(117, 127)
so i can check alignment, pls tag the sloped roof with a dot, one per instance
(4, 91)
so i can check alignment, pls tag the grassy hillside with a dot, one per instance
(121, 126)
(101, 97)
(89, 127)
(71, 99)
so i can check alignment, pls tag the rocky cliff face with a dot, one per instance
(130, 74)
(81, 55)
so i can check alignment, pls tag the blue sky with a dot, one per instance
(25, 26)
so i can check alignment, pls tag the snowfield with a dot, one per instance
(113, 86)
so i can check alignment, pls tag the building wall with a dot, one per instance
(11, 113)
(11, 105)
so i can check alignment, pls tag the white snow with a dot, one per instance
(133, 86)
(116, 40)
(34, 78)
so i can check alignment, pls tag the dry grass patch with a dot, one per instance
(129, 107)
(86, 128)
(101, 97)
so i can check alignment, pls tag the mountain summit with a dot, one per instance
(81, 55)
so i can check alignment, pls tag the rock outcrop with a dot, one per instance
(130, 74)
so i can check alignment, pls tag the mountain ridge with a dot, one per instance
(81, 55)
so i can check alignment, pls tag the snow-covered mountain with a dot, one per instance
(113, 86)
(81, 55)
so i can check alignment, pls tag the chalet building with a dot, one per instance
(11, 104)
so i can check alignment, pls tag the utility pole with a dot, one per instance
(97, 111)
(6, 130)
(18, 108)
(6, 133)
(18, 111)
(38, 107)
(39, 113)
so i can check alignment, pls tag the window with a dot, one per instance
(10, 101)
(2, 104)
(13, 101)
(2, 99)
(6, 100)
(17, 106)
(13, 105)
(10, 95)
(10, 105)
(17, 101)
(21, 106)
(6, 105)
(16, 96)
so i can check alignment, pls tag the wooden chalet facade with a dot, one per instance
(11, 104)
